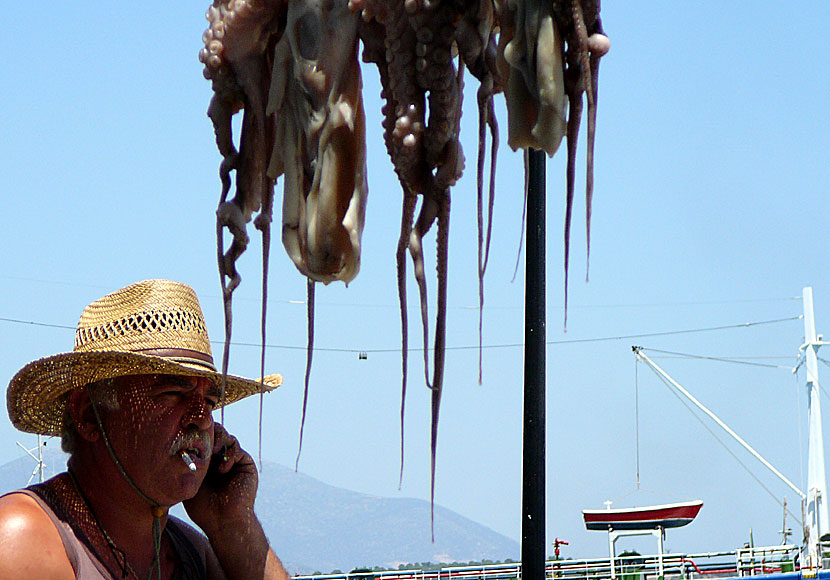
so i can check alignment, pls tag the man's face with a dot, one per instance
(159, 417)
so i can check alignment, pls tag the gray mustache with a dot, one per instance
(188, 439)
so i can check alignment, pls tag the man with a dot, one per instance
(133, 405)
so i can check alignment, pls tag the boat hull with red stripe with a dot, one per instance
(672, 515)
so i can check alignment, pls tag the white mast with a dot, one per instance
(40, 468)
(816, 521)
(817, 525)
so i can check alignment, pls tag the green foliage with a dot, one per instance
(431, 566)
(366, 573)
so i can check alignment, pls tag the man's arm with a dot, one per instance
(273, 567)
(30, 546)
(226, 544)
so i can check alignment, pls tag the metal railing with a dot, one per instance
(704, 566)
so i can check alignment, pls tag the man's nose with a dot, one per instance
(198, 413)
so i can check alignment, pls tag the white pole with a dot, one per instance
(716, 419)
(659, 532)
(817, 519)
(40, 464)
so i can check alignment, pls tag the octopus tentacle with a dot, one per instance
(598, 45)
(475, 39)
(486, 118)
(263, 224)
(435, 73)
(309, 355)
(426, 217)
(442, 251)
(237, 64)
(407, 219)
(574, 117)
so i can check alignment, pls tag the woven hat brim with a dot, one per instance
(36, 395)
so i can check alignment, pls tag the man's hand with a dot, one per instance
(224, 509)
(228, 491)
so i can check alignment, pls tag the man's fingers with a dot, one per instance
(228, 447)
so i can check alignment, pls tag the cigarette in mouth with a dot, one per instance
(188, 461)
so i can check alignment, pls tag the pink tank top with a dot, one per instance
(88, 567)
(85, 565)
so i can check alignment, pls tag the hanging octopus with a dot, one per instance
(292, 66)
(549, 51)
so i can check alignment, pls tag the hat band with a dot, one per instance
(181, 355)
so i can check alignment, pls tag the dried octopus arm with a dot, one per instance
(475, 39)
(598, 45)
(372, 31)
(236, 61)
(585, 45)
(320, 146)
(423, 93)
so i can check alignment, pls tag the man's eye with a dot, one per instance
(212, 403)
(170, 394)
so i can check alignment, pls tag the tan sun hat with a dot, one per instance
(151, 327)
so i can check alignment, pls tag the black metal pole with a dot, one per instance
(533, 464)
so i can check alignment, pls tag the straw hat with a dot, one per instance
(151, 327)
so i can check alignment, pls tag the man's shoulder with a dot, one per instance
(197, 538)
(202, 546)
(21, 514)
(30, 545)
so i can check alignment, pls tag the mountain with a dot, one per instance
(317, 527)
(314, 526)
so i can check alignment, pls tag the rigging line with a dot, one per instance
(718, 359)
(302, 302)
(728, 450)
(637, 415)
(801, 453)
(548, 343)
(16, 321)
(821, 388)
(672, 332)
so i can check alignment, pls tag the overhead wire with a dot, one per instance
(472, 347)
(396, 306)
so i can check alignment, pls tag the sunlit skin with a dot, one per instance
(157, 417)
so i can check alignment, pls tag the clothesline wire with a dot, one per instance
(471, 347)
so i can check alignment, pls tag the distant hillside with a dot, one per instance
(318, 527)
(15, 474)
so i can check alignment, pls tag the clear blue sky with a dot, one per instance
(710, 210)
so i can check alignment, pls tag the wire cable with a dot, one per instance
(719, 359)
(471, 347)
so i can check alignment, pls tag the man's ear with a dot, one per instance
(80, 408)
